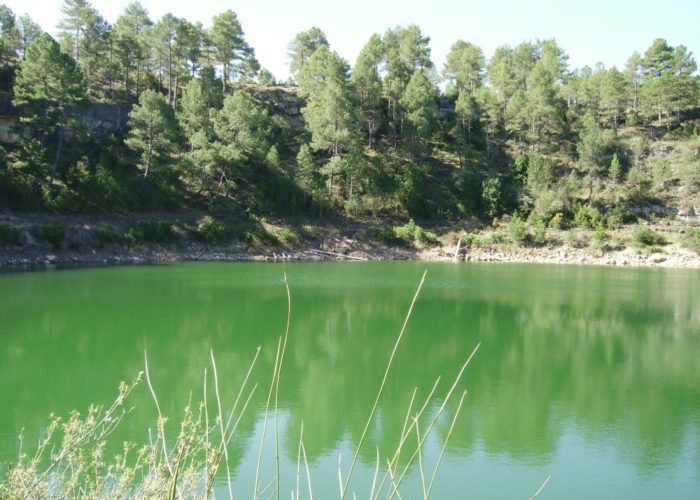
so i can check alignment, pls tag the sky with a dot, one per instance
(590, 31)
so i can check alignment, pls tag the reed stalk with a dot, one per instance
(444, 444)
(220, 418)
(344, 489)
(161, 421)
(541, 488)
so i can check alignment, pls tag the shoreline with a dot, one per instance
(311, 241)
(673, 256)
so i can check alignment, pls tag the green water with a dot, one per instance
(585, 374)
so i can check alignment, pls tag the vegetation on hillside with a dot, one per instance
(392, 136)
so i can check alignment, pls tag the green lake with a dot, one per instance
(589, 375)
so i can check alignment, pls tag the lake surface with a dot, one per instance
(589, 375)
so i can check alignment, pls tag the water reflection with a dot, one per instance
(603, 357)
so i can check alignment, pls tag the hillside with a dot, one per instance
(519, 146)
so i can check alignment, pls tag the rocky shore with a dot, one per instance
(319, 243)
(672, 256)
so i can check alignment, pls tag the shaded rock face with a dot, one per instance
(103, 119)
(99, 119)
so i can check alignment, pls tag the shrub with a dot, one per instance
(617, 217)
(54, 234)
(587, 217)
(108, 236)
(645, 236)
(10, 236)
(288, 236)
(518, 231)
(385, 234)
(412, 233)
(557, 222)
(472, 240)
(576, 240)
(539, 231)
(151, 232)
(600, 236)
(260, 237)
(210, 231)
(692, 240)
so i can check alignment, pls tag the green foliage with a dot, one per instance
(230, 47)
(491, 195)
(303, 46)
(661, 173)
(288, 236)
(539, 230)
(464, 67)
(645, 237)
(151, 232)
(242, 127)
(360, 129)
(517, 229)
(637, 187)
(600, 236)
(385, 234)
(329, 112)
(306, 174)
(615, 170)
(10, 236)
(419, 103)
(54, 234)
(210, 231)
(47, 81)
(367, 84)
(587, 217)
(691, 240)
(272, 159)
(412, 233)
(259, 237)
(413, 192)
(618, 216)
(108, 236)
(152, 132)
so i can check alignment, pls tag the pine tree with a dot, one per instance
(368, 85)
(48, 81)
(406, 51)
(193, 115)
(228, 44)
(152, 132)
(329, 112)
(420, 104)
(243, 127)
(615, 170)
(464, 68)
(302, 47)
(305, 174)
(130, 37)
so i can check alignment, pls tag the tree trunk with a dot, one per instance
(148, 152)
(58, 155)
(138, 80)
(170, 74)
(175, 91)
(126, 82)
(393, 120)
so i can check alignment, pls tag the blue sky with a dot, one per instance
(589, 31)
